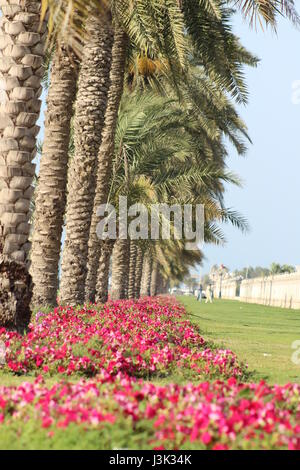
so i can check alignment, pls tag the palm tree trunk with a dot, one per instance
(15, 295)
(105, 156)
(93, 86)
(154, 279)
(132, 269)
(51, 192)
(138, 271)
(103, 271)
(22, 41)
(22, 52)
(146, 278)
(166, 286)
(160, 283)
(120, 269)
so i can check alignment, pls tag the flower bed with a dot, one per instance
(145, 338)
(112, 407)
(118, 411)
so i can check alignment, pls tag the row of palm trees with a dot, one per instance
(139, 104)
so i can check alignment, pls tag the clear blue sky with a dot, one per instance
(270, 197)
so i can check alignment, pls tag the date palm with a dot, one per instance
(154, 278)
(162, 30)
(50, 198)
(138, 270)
(132, 268)
(268, 10)
(213, 10)
(157, 159)
(103, 271)
(74, 274)
(154, 24)
(22, 39)
(146, 277)
(90, 108)
(120, 263)
(105, 156)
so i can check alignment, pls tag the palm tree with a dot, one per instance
(105, 156)
(22, 53)
(165, 23)
(132, 269)
(164, 34)
(15, 294)
(168, 262)
(120, 263)
(50, 196)
(268, 10)
(74, 274)
(138, 270)
(103, 271)
(64, 16)
(20, 102)
(162, 283)
(91, 102)
(175, 263)
(157, 158)
(154, 279)
(146, 277)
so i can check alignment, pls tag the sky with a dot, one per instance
(270, 197)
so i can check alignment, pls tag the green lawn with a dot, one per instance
(10, 380)
(261, 336)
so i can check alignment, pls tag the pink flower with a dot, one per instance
(2, 403)
(232, 381)
(46, 422)
(220, 447)
(206, 438)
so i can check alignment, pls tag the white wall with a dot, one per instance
(282, 290)
(228, 289)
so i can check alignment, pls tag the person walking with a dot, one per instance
(200, 293)
(208, 293)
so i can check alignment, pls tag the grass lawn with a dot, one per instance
(10, 380)
(261, 336)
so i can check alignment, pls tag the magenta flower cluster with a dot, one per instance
(144, 338)
(115, 345)
(218, 415)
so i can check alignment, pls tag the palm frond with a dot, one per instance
(268, 10)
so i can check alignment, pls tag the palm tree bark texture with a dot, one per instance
(146, 277)
(52, 184)
(103, 271)
(154, 279)
(22, 51)
(105, 156)
(138, 271)
(120, 262)
(22, 40)
(132, 269)
(15, 295)
(91, 102)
